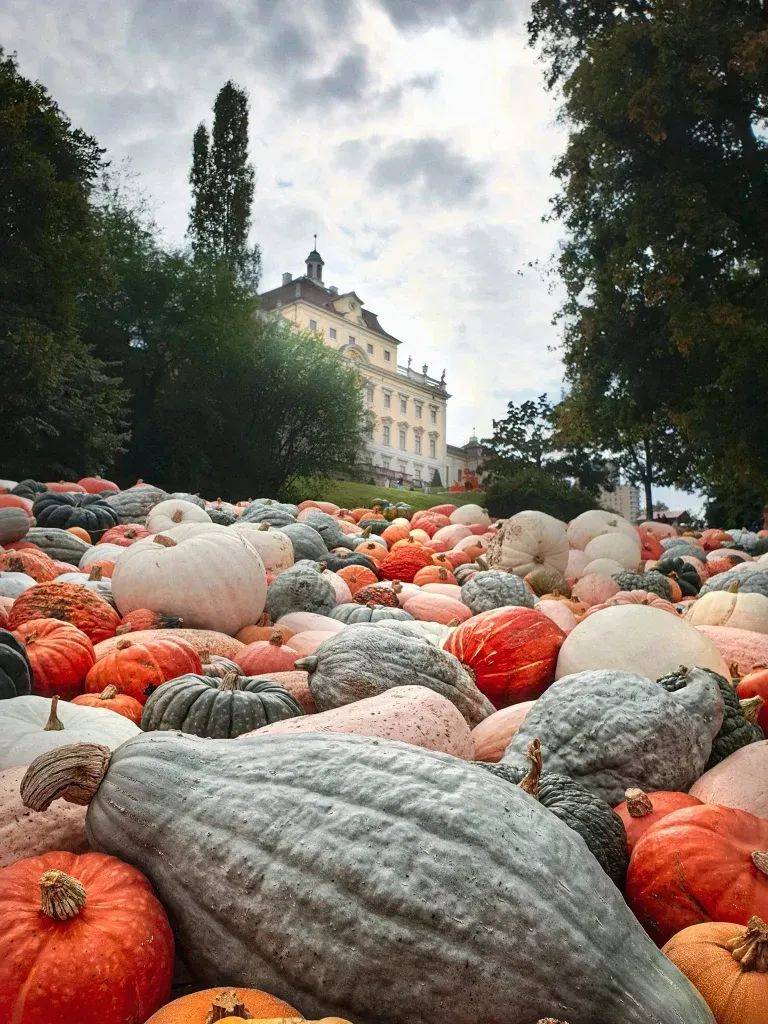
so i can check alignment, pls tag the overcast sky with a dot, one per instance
(414, 136)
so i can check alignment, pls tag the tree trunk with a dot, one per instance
(648, 479)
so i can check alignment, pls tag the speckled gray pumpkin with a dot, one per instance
(195, 499)
(329, 529)
(135, 504)
(307, 543)
(217, 708)
(273, 515)
(378, 882)
(300, 589)
(221, 516)
(496, 589)
(612, 731)
(351, 613)
(58, 544)
(363, 661)
(745, 582)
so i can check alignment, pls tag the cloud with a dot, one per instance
(428, 169)
(469, 15)
(348, 82)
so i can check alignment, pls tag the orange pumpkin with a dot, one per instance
(143, 618)
(640, 810)
(250, 634)
(111, 699)
(404, 561)
(396, 532)
(433, 574)
(755, 684)
(14, 501)
(357, 576)
(429, 520)
(124, 535)
(78, 531)
(371, 549)
(86, 942)
(139, 668)
(213, 1004)
(97, 484)
(267, 656)
(70, 603)
(33, 562)
(60, 655)
(728, 964)
(64, 487)
(105, 567)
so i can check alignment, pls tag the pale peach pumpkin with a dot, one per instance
(494, 734)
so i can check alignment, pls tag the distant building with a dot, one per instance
(623, 499)
(463, 464)
(407, 440)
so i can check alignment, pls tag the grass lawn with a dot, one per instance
(350, 494)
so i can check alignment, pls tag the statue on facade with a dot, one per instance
(442, 379)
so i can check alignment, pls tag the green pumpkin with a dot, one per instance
(653, 582)
(371, 612)
(15, 670)
(684, 573)
(62, 511)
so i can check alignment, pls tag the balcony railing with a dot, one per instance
(419, 377)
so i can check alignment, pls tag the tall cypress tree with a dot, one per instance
(222, 181)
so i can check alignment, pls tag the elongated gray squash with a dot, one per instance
(370, 880)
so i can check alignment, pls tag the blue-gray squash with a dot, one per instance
(329, 529)
(135, 504)
(362, 661)
(611, 731)
(307, 542)
(368, 879)
(351, 613)
(495, 589)
(58, 544)
(300, 589)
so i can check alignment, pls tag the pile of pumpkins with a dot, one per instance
(286, 762)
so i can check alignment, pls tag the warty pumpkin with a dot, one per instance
(60, 655)
(300, 589)
(86, 942)
(494, 588)
(34, 563)
(70, 603)
(204, 642)
(302, 812)
(402, 563)
(138, 668)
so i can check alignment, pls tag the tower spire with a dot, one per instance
(315, 265)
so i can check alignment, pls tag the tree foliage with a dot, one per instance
(527, 487)
(664, 196)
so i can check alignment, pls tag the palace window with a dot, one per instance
(385, 461)
(385, 435)
(402, 439)
(432, 414)
(369, 394)
(387, 356)
(332, 333)
(369, 431)
(432, 447)
(387, 399)
(418, 407)
(417, 444)
(403, 405)
(369, 349)
(313, 325)
(351, 339)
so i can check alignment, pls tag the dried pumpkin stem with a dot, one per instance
(108, 693)
(165, 542)
(750, 948)
(276, 639)
(760, 860)
(96, 573)
(751, 708)
(54, 724)
(122, 645)
(638, 803)
(227, 1004)
(550, 1020)
(229, 681)
(72, 772)
(530, 783)
(61, 896)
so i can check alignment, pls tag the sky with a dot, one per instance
(415, 137)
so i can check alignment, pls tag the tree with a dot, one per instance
(664, 196)
(530, 487)
(64, 412)
(222, 183)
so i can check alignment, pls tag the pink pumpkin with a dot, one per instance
(451, 535)
(446, 589)
(559, 613)
(635, 597)
(436, 608)
(297, 684)
(738, 781)
(410, 714)
(307, 642)
(266, 656)
(661, 530)
(594, 588)
(339, 586)
(301, 622)
(577, 563)
(741, 648)
(494, 734)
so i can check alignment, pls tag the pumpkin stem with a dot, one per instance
(125, 627)
(263, 526)
(95, 575)
(53, 724)
(638, 803)
(123, 645)
(308, 664)
(229, 681)
(61, 895)
(751, 707)
(177, 516)
(530, 783)
(165, 542)
(750, 948)
(733, 588)
(366, 532)
(277, 640)
(397, 586)
(73, 772)
(453, 622)
(760, 860)
(108, 693)
(227, 1004)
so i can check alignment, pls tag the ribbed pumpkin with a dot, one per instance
(60, 655)
(33, 562)
(699, 864)
(640, 810)
(357, 576)
(70, 603)
(511, 651)
(433, 574)
(728, 964)
(110, 699)
(137, 669)
(213, 1004)
(262, 656)
(98, 484)
(403, 562)
(85, 941)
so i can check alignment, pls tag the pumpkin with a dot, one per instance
(217, 708)
(728, 964)
(741, 579)
(301, 622)
(110, 699)
(34, 563)
(493, 735)
(78, 531)
(634, 597)
(429, 520)
(371, 612)
(737, 781)
(214, 580)
(699, 864)
(652, 582)
(83, 925)
(296, 683)
(272, 514)
(273, 545)
(60, 545)
(64, 487)
(98, 485)
(512, 653)
(614, 731)
(125, 535)
(620, 547)
(70, 603)
(410, 714)
(144, 618)
(282, 816)
(755, 684)
(402, 563)
(31, 725)
(361, 662)
(134, 504)
(635, 638)
(100, 554)
(736, 610)
(347, 566)
(138, 668)
(607, 567)
(173, 512)
(88, 511)
(59, 654)
(594, 589)
(306, 643)
(300, 589)
(15, 501)
(433, 632)
(250, 634)
(595, 523)
(12, 584)
(385, 594)
(743, 649)
(547, 581)
(494, 588)
(14, 524)
(15, 667)
(436, 608)
(433, 574)
(640, 810)
(28, 489)
(527, 541)
(266, 656)
(212, 1004)
(685, 574)
(25, 833)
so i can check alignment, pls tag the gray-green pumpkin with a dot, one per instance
(219, 708)
(611, 731)
(370, 880)
(195, 499)
(307, 542)
(300, 589)
(351, 613)
(496, 589)
(135, 504)
(362, 661)
(749, 580)
(652, 582)
(14, 524)
(58, 544)
(329, 529)
(271, 512)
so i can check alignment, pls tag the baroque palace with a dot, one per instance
(407, 444)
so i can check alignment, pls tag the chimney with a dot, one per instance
(287, 278)
(333, 289)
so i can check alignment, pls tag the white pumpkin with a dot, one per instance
(470, 515)
(173, 512)
(577, 563)
(528, 541)
(101, 553)
(619, 546)
(594, 523)
(14, 583)
(338, 585)
(304, 622)
(273, 545)
(739, 556)
(212, 580)
(434, 633)
(637, 638)
(602, 567)
(23, 733)
(723, 608)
